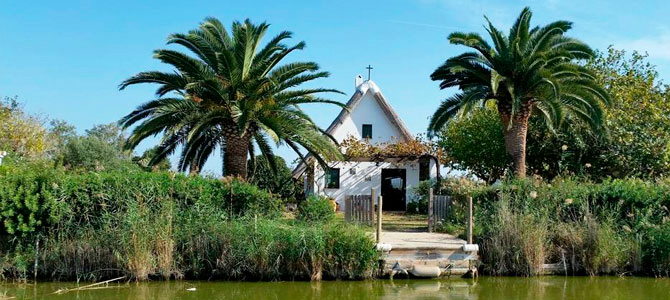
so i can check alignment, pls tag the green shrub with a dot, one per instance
(595, 226)
(37, 196)
(419, 203)
(271, 250)
(148, 225)
(27, 198)
(350, 252)
(514, 243)
(656, 245)
(316, 209)
(595, 247)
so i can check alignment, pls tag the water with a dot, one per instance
(602, 288)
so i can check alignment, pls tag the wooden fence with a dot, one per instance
(438, 208)
(441, 206)
(359, 209)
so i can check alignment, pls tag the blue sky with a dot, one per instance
(65, 59)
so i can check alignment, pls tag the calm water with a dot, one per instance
(606, 288)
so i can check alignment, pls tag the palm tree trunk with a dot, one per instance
(515, 137)
(235, 155)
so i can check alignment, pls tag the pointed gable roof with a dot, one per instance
(366, 87)
(370, 87)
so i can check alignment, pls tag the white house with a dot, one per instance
(369, 116)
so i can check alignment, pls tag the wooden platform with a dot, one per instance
(410, 249)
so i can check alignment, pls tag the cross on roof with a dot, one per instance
(369, 67)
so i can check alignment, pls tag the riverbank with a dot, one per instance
(503, 288)
(92, 226)
(59, 225)
(612, 227)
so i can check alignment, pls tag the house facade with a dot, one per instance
(369, 117)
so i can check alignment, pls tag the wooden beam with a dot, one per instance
(372, 206)
(431, 216)
(379, 219)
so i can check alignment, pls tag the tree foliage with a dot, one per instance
(101, 148)
(636, 141)
(232, 93)
(144, 159)
(639, 121)
(530, 71)
(475, 143)
(279, 182)
(21, 134)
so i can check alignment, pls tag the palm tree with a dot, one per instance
(530, 71)
(232, 93)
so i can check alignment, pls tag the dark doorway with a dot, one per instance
(393, 189)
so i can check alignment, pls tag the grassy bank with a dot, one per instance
(91, 226)
(609, 227)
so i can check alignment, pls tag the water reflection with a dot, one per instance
(609, 288)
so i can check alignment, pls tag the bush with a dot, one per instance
(270, 250)
(27, 197)
(656, 247)
(279, 182)
(166, 243)
(594, 247)
(514, 244)
(35, 197)
(316, 209)
(160, 225)
(595, 227)
(419, 203)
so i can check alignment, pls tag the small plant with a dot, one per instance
(656, 247)
(316, 209)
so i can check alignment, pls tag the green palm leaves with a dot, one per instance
(529, 71)
(232, 93)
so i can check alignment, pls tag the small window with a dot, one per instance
(367, 131)
(333, 178)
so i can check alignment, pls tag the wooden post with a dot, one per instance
(372, 207)
(379, 219)
(469, 220)
(431, 216)
(347, 208)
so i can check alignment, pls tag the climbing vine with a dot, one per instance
(412, 149)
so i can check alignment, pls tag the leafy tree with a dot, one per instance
(636, 143)
(529, 71)
(144, 159)
(98, 150)
(110, 133)
(639, 120)
(232, 94)
(60, 133)
(20, 133)
(475, 143)
(280, 181)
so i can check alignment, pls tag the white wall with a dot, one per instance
(367, 111)
(356, 184)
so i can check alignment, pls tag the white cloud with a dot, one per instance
(657, 47)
